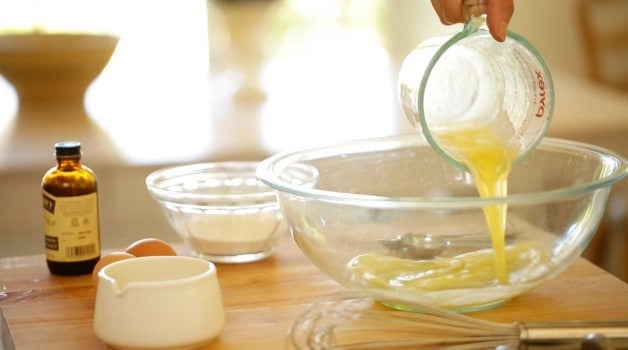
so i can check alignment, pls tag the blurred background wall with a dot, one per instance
(282, 74)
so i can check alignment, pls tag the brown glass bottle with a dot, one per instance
(70, 203)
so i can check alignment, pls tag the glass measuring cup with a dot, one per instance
(469, 80)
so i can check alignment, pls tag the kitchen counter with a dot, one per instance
(262, 299)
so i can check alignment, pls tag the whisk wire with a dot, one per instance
(332, 341)
(352, 321)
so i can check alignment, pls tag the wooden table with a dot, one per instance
(41, 311)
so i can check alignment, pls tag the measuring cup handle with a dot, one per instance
(473, 9)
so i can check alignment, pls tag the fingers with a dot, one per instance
(449, 11)
(498, 15)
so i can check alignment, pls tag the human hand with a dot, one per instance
(498, 14)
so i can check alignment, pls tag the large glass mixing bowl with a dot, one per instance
(392, 214)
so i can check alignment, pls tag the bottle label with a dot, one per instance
(71, 227)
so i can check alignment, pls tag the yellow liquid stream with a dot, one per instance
(489, 160)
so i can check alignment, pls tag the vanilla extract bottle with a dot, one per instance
(71, 223)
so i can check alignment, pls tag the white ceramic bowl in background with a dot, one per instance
(158, 302)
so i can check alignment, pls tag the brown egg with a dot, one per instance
(150, 247)
(106, 260)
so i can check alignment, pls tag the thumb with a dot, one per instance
(498, 15)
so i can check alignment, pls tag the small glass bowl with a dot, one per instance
(222, 211)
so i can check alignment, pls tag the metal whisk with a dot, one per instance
(358, 322)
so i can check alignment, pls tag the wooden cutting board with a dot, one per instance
(41, 311)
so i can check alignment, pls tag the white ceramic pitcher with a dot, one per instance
(158, 302)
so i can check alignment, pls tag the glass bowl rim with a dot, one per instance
(206, 199)
(266, 172)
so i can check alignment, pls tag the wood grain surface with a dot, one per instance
(262, 299)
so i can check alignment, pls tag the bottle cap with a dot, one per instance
(67, 148)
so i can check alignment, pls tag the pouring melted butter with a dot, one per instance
(489, 159)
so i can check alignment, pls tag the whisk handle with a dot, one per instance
(572, 332)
